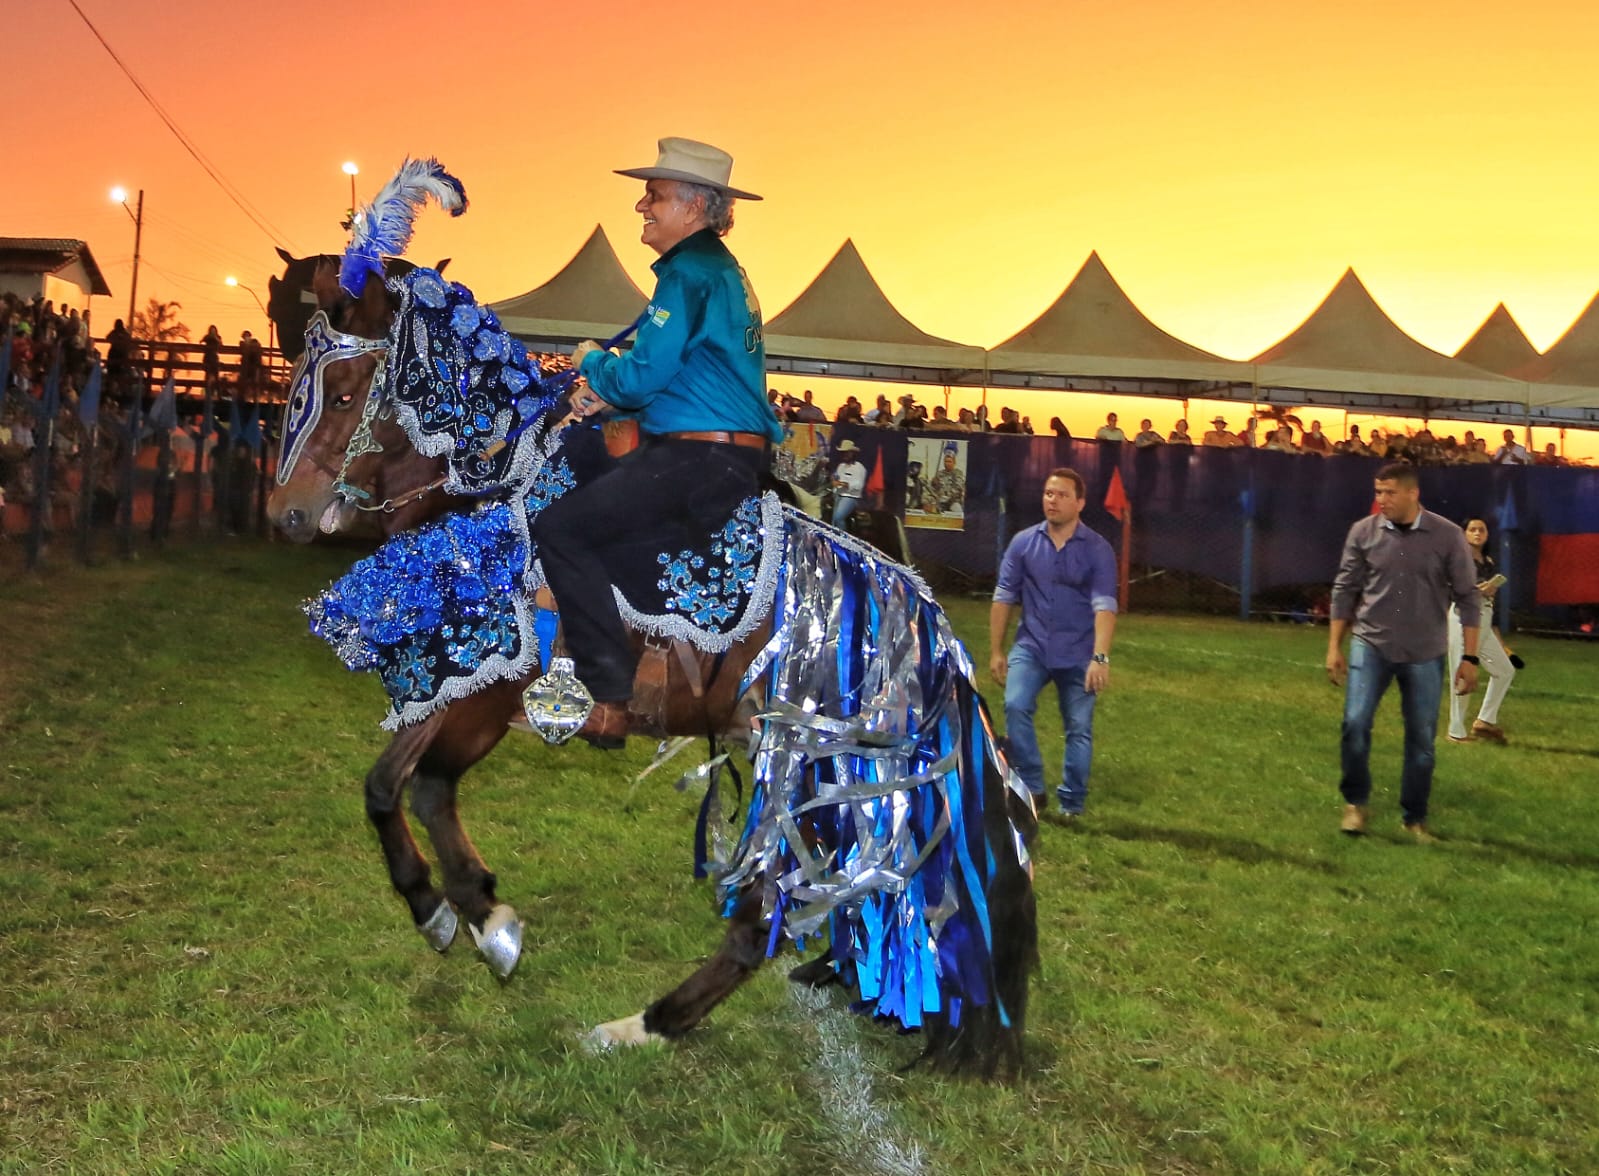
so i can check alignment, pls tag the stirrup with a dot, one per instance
(557, 704)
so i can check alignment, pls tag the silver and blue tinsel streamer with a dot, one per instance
(384, 226)
(881, 809)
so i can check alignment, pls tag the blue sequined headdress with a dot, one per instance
(384, 226)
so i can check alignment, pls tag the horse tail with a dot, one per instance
(882, 811)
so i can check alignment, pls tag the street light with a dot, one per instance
(352, 171)
(120, 196)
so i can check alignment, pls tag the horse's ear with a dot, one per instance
(287, 257)
(442, 264)
(374, 300)
(325, 283)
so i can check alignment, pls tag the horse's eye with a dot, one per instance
(342, 400)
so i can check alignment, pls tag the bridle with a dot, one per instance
(325, 345)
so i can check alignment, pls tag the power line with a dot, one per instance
(257, 218)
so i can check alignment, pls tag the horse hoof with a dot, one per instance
(500, 941)
(629, 1031)
(440, 928)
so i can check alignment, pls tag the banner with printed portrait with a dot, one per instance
(935, 484)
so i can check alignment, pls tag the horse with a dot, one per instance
(969, 931)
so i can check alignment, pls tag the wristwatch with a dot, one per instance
(1102, 658)
(1471, 659)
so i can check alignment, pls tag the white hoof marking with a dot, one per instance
(629, 1031)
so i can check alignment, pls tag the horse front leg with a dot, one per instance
(408, 869)
(469, 730)
(742, 952)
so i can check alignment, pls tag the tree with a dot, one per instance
(157, 323)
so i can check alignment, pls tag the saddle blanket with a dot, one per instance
(442, 611)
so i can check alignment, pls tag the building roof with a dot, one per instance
(1094, 330)
(843, 316)
(590, 298)
(1499, 345)
(49, 255)
(1349, 345)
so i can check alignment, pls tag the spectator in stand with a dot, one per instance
(1147, 435)
(249, 363)
(1026, 426)
(1549, 457)
(1219, 437)
(940, 419)
(882, 414)
(1110, 430)
(1250, 437)
(1058, 427)
(1478, 453)
(119, 361)
(1179, 435)
(1009, 421)
(911, 415)
(967, 421)
(807, 412)
(1315, 441)
(849, 413)
(983, 425)
(212, 359)
(1355, 447)
(1282, 440)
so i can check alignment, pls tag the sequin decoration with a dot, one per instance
(880, 808)
(711, 589)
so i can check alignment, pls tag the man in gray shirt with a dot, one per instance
(1400, 570)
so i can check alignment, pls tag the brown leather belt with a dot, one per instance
(744, 440)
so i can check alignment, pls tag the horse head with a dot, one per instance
(291, 301)
(342, 450)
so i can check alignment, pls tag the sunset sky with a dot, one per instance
(1227, 160)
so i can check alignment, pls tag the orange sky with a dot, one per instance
(1228, 160)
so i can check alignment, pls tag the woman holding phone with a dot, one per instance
(1495, 662)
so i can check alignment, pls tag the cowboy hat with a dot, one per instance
(693, 163)
(845, 446)
(1219, 421)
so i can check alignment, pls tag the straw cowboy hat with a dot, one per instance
(1219, 421)
(845, 446)
(693, 163)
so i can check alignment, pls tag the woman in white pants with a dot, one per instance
(1495, 662)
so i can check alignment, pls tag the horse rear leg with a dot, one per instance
(742, 951)
(408, 869)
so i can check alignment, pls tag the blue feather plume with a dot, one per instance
(384, 226)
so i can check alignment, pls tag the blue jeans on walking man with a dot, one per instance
(1025, 679)
(1420, 690)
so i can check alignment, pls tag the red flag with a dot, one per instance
(1116, 497)
(874, 482)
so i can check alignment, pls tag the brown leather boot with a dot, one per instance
(606, 726)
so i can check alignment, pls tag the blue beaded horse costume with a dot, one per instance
(882, 818)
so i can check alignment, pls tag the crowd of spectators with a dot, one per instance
(1279, 434)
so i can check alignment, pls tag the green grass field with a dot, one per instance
(202, 967)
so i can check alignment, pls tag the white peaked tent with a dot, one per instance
(1566, 377)
(1499, 346)
(1093, 338)
(1349, 352)
(591, 298)
(843, 325)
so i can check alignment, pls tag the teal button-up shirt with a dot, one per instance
(699, 362)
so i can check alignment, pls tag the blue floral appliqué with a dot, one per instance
(729, 569)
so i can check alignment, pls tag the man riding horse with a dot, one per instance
(695, 378)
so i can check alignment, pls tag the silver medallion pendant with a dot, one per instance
(557, 704)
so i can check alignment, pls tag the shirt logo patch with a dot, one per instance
(660, 316)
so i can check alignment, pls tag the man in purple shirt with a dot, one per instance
(1063, 577)
(1400, 570)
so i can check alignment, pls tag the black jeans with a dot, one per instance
(667, 492)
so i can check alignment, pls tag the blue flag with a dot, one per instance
(234, 428)
(52, 389)
(163, 415)
(89, 402)
(135, 427)
(252, 429)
